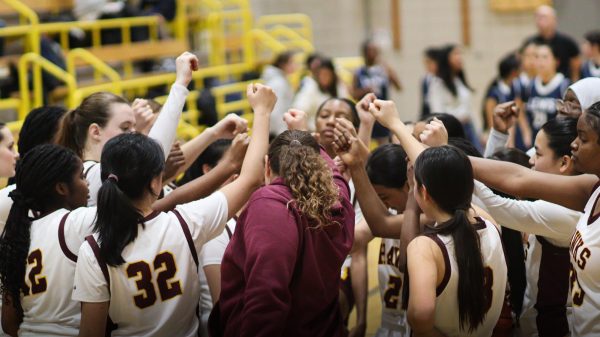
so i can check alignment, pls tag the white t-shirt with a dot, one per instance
(55, 239)
(156, 291)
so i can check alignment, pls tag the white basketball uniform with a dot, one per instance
(391, 281)
(47, 306)
(91, 172)
(585, 271)
(446, 305)
(156, 291)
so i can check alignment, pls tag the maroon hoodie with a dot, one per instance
(279, 276)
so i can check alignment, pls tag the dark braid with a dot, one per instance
(37, 175)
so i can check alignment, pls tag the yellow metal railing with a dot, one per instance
(346, 67)
(300, 23)
(100, 68)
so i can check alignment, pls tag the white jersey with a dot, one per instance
(391, 281)
(211, 254)
(156, 291)
(585, 271)
(446, 304)
(5, 204)
(47, 306)
(546, 258)
(91, 171)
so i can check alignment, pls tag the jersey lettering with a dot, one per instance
(164, 264)
(392, 293)
(37, 282)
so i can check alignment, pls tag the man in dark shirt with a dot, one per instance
(566, 47)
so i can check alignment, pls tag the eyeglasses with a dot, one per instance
(568, 107)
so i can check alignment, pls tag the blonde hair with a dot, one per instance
(294, 156)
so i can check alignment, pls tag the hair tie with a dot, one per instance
(113, 177)
(295, 142)
(19, 198)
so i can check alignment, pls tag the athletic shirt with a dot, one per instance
(156, 291)
(541, 105)
(91, 172)
(501, 93)
(5, 204)
(211, 254)
(585, 271)
(47, 306)
(589, 69)
(446, 304)
(374, 77)
(551, 227)
(524, 82)
(391, 280)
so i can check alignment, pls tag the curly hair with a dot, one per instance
(295, 156)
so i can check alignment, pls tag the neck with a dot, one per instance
(596, 59)
(547, 77)
(92, 152)
(548, 34)
(439, 216)
(144, 206)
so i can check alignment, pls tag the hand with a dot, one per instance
(296, 120)
(339, 163)
(385, 112)
(435, 134)
(236, 153)
(144, 116)
(362, 107)
(185, 64)
(347, 145)
(174, 162)
(262, 98)
(505, 116)
(230, 126)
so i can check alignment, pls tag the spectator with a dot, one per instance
(430, 60)
(591, 67)
(275, 76)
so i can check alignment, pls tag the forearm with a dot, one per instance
(411, 228)
(197, 188)
(165, 128)
(496, 141)
(506, 177)
(194, 148)
(252, 166)
(374, 211)
(412, 146)
(365, 130)
(360, 285)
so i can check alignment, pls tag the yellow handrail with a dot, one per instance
(24, 86)
(98, 65)
(291, 38)
(303, 21)
(268, 41)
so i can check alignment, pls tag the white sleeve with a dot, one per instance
(435, 96)
(206, 217)
(78, 225)
(94, 184)
(213, 251)
(5, 205)
(535, 217)
(165, 127)
(89, 284)
(496, 142)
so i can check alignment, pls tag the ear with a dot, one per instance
(94, 132)
(62, 189)
(566, 165)
(156, 184)
(205, 168)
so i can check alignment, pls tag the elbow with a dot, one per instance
(421, 318)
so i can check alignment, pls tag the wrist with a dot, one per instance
(212, 133)
(499, 130)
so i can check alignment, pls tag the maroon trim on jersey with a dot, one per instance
(595, 217)
(553, 290)
(61, 239)
(85, 174)
(151, 216)
(229, 233)
(447, 267)
(188, 236)
(96, 249)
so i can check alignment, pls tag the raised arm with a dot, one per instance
(504, 117)
(165, 128)
(367, 121)
(569, 191)
(209, 182)
(411, 225)
(262, 99)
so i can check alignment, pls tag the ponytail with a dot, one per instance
(453, 196)
(129, 164)
(93, 110)
(295, 156)
(37, 175)
(472, 307)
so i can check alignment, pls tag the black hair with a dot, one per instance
(465, 146)
(446, 73)
(2, 125)
(432, 169)
(593, 37)
(592, 117)
(211, 156)
(40, 127)
(512, 155)
(327, 64)
(282, 59)
(561, 132)
(310, 58)
(364, 46)
(38, 173)
(129, 162)
(507, 65)
(355, 119)
(387, 166)
(553, 49)
(432, 53)
(451, 123)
